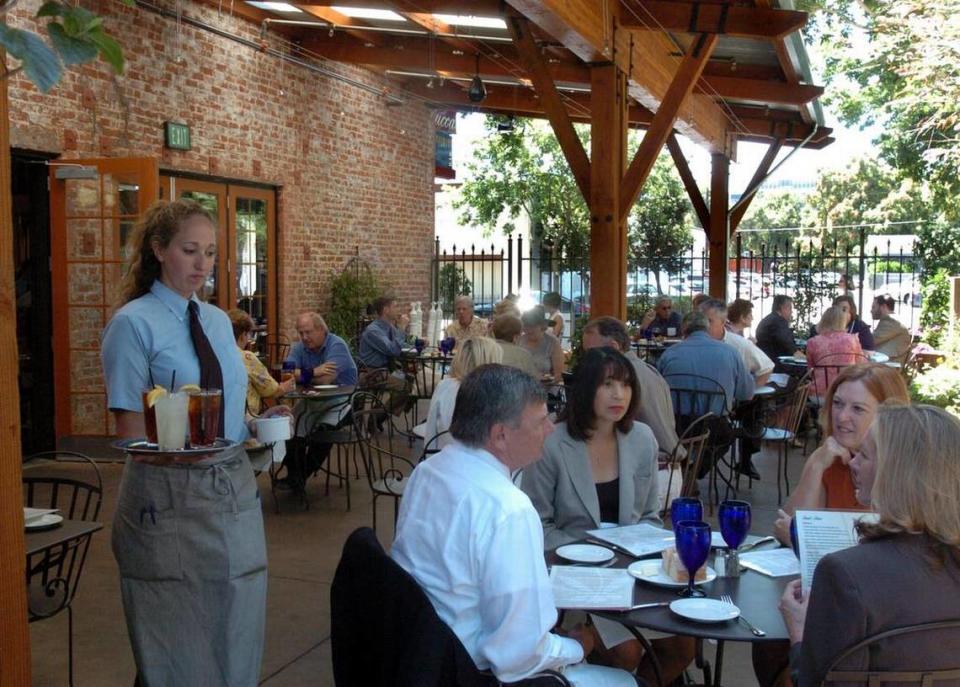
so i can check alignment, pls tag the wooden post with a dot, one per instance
(14, 633)
(718, 233)
(608, 224)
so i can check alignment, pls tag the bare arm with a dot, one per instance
(556, 361)
(809, 492)
(129, 424)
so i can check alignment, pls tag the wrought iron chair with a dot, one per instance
(693, 397)
(53, 575)
(432, 446)
(783, 417)
(825, 369)
(926, 676)
(686, 457)
(387, 471)
(276, 348)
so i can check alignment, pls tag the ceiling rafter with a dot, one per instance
(718, 18)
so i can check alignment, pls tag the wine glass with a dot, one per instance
(693, 547)
(306, 375)
(685, 509)
(734, 517)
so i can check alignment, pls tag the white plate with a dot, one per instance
(660, 578)
(705, 610)
(324, 386)
(585, 553)
(44, 521)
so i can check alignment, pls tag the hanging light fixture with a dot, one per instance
(477, 91)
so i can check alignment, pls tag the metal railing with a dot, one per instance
(808, 273)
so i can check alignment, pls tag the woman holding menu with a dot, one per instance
(188, 531)
(906, 569)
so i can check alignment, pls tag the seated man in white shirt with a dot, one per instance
(474, 542)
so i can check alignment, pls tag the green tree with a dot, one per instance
(525, 172)
(659, 224)
(769, 212)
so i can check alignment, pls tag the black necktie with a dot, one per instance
(211, 376)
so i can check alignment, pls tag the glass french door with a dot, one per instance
(245, 273)
(94, 205)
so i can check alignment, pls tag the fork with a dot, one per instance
(727, 599)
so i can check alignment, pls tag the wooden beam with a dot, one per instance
(556, 111)
(723, 19)
(476, 8)
(718, 233)
(689, 183)
(791, 133)
(608, 225)
(647, 60)
(664, 118)
(349, 25)
(741, 206)
(14, 632)
(790, 73)
(760, 91)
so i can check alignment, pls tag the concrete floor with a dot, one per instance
(304, 549)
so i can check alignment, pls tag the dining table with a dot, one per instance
(755, 594)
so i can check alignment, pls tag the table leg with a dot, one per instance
(648, 648)
(719, 667)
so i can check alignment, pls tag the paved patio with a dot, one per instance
(304, 548)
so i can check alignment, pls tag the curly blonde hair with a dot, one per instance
(159, 224)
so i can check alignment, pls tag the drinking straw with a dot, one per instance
(150, 376)
(173, 379)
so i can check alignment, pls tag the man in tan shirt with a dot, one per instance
(465, 325)
(889, 336)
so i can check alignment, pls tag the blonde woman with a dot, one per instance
(906, 569)
(831, 349)
(472, 354)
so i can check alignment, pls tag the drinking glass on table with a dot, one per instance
(693, 547)
(306, 376)
(685, 508)
(287, 370)
(734, 517)
(172, 424)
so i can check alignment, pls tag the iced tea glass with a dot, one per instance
(171, 411)
(204, 414)
(149, 418)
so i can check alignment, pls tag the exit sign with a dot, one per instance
(176, 135)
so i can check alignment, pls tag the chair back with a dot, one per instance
(385, 468)
(694, 396)
(434, 444)
(276, 349)
(947, 670)
(825, 369)
(686, 457)
(50, 480)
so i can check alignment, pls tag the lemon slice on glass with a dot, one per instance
(190, 389)
(154, 395)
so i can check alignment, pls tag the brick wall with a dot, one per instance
(351, 170)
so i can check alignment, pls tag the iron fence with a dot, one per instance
(812, 275)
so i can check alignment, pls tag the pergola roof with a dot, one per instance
(755, 87)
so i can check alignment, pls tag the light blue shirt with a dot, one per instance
(703, 356)
(150, 336)
(334, 350)
(379, 344)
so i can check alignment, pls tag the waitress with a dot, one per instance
(187, 534)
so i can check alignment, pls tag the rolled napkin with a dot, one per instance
(274, 430)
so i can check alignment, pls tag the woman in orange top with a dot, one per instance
(849, 407)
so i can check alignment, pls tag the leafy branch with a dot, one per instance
(76, 36)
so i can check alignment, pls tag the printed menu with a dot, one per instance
(821, 532)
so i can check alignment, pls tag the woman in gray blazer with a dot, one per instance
(600, 466)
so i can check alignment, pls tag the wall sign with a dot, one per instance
(445, 125)
(176, 135)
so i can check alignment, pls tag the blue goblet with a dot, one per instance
(734, 517)
(693, 547)
(419, 344)
(794, 537)
(306, 375)
(685, 509)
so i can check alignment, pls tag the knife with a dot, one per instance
(612, 547)
(653, 604)
(753, 545)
